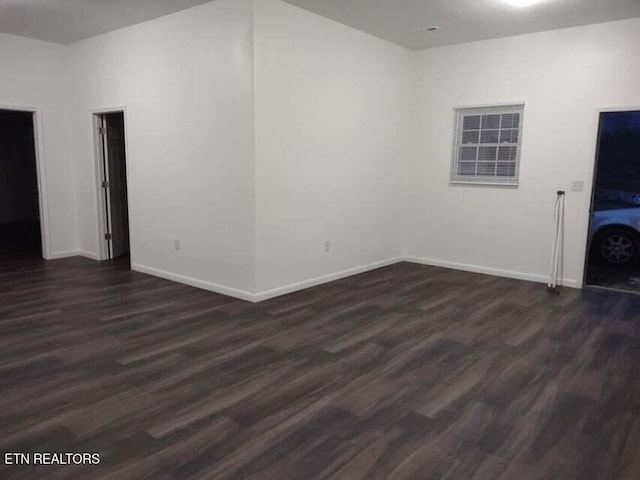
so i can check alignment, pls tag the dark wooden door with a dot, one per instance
(117, 169)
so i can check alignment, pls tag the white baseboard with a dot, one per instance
(313, 282)
(194, 282)
(259, 297)
(86, 254)
(72, 253)
(59, 255)
(489, 271)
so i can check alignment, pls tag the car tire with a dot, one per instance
(617, 247)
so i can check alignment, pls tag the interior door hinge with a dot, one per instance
(105, 184)
(107, 236)
(102, 130)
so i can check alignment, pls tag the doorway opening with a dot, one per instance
(20, 227)
(613, 253)
(112, 165)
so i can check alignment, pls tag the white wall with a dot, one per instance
(332, 117)
(35, 75)
(564, 76)
(186, 83)
(341, 137)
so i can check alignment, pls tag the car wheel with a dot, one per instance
(618, 247)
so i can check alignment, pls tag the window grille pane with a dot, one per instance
(471, 122)
(467, 168)
(507, 154)
(489, 136)
(506, 169)
(487, 154)
(470, 137)
(509, 136)
(490, 121)
(511, 120)
(468, 153)
(486, 169)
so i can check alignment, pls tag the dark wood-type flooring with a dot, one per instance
(404, 372)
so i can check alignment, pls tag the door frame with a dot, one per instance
(101, 206)
(594, 171)
(43, 195)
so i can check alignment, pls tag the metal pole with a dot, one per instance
(556, 250)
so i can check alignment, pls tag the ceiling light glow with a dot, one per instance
(522, 3)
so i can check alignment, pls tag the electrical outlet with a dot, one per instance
(577, 186)
(327, 246)
(176, 244)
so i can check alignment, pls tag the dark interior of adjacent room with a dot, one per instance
(19, 203)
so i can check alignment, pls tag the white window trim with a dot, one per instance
(458, 115)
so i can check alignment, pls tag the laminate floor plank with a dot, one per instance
(405, 372)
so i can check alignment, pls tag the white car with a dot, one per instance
(615, 235)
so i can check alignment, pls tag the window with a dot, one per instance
(487, 145)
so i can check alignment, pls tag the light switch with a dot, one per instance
(577, 186)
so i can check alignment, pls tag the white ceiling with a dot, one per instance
(67, 21)
(465, 20)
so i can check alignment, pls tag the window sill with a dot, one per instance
(485, 184)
